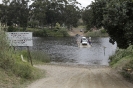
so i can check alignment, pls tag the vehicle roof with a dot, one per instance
(83, 37)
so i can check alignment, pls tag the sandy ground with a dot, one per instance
(59, 76)
(76, 31)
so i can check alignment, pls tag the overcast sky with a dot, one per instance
(83, 2)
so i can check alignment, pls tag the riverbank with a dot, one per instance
(93, 33)
(68, 76)
(76, 31)
(122, 61)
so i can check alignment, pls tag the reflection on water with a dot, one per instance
(66, 50)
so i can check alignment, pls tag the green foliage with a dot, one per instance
(115, 16)
(11, 29)
(17, 13)
(64, 32)
(10, 60)
(123, 61)
(127, 71)
(103, 31)
(40, 56)
(5, 52)
(57, 33)
(40, 13)
(48, 32)
(33, 24)
(98, 33)
(13, 70)
(40, 33)
(23, 70)
(119, 54)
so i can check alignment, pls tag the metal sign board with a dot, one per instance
(20, 38)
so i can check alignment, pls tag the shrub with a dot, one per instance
(11, 29)
(64, 32)
(127, 71)
(22, 69)
(48, 32)
(6, 60)
(103, 31)
(121, 53)
(10, 60)
(123, 59)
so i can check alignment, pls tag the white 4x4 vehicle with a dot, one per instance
(84, 41)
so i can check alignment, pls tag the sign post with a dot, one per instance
(21, 39)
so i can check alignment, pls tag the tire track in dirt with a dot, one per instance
(79, 77)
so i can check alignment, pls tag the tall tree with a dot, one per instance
(37, 12)
(116, 16)
(3, 13)
(18, 13)
(72, 14)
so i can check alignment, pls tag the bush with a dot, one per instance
(10, 60)
(64, 32)
(123, 60)
(127, 71)
(103, 31)
(23, 70)
(48, 32)
(6, 60)
(119, 54)
(12, 29)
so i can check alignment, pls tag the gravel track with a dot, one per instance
(58, 76)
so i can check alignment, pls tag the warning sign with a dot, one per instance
(20, 38)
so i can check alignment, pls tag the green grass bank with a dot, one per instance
(14, 72)
(97, 33)
(123, 62)
(42, 32)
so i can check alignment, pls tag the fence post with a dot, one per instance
(29, 55)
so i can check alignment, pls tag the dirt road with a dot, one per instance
(79, 77)
(76, 31)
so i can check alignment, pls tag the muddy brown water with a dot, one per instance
(66, 50)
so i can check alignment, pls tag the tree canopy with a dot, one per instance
(40, 13)
(116, 16)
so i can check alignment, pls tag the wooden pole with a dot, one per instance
(104, 50)
(29, 55)
(0, 26)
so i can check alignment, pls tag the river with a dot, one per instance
(66, 50)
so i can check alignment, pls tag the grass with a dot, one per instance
(45, 32)
(120, 55)
(97, 33)
(38, 57)
(62, 32)
(9, 80)
(123, 62)
(14, 73)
